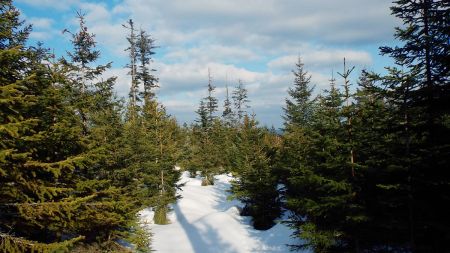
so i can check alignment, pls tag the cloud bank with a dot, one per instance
(255, 41)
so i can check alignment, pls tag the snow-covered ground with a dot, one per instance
(204, 221)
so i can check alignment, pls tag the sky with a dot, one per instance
(256, 41)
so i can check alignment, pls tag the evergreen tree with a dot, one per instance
(211, 101)
(38, 145)
(323, 193)
(79, 70)
(162, 140)
(240, 100)
(202, 113)
(299, 109)
(298, 116)
(207, 135)
(347, 112)
(145, 50)
(132, 39)
(151, 136)
(103, 127)
(374, 150)
(255, 184)
(227, 114)
(310, 185)
(420, 93)
(206, 156)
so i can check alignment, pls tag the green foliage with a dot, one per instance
(211, 101)
(227, 115)
(39, 147)
(255, 185)
(240, 101)
(368, 171)
(417, 90)
(206, 138)
(361, 171)
(144, 51)
(163, 137)
(12, 244)
(72, 173)
(298, 110)
(239, 146)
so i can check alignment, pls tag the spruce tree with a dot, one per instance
(240, 101)
(255, 185)
(211, 101)
(298, 114)
(227, 114)
(374, 150)
(132, 39)
(299, 109)
(39, 153)
(207, 134)
(202, 113)
(145, 50)
(424, 86)
(103, 128)
(326, 205)
(162, 138)
(310, 184)
(348, 111)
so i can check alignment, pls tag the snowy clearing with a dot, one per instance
(203, 221)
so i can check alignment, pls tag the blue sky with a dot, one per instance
(257, 41)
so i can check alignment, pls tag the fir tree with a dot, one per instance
(308, 183)
(255, 185)
(240, 100)
(227, 114)
(39, 144)
(347, 111)
(297, 118)
(132, 66)
(115, 200)
(419, 89)
(299, 109)
(145, 50)
(321, 191)
(373, 149)
(79, 70)
(210, 100)
(162, 139)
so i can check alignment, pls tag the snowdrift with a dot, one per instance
(204, 221)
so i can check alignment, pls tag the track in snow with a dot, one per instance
(204, 221)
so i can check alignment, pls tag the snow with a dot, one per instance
(203, 220)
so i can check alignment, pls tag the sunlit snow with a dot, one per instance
(203, 220)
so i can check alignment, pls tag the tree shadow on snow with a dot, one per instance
(207, 241)
(221, 193)
(274, 239)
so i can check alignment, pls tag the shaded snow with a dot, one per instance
(204, 221)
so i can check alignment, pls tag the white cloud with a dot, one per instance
(253, 40)
(254, 24)
(42, 28)
(122, 82)
(183, 85)
(212, 53)
(322, 58)
(40, 36)
(96, 12)
(41, 23)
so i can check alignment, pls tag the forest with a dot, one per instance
(361, 167)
